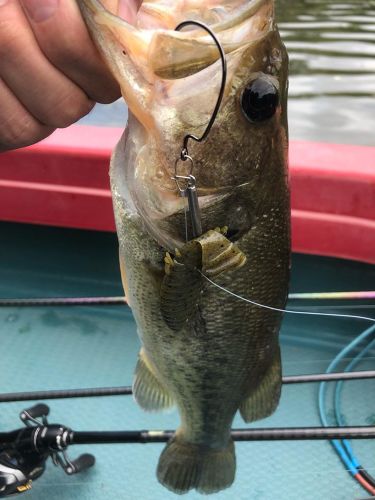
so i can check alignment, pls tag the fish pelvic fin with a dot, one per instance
(263, 401)
(148, 392)
(184, 466)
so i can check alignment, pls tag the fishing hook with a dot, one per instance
(190, 190)
(184, 151)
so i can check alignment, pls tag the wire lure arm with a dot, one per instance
(189, 190)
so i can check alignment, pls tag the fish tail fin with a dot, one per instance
(184, 466)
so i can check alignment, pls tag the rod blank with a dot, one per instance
(328, 377)
(272, 434)
(90, 301)
(127, 390)
(63, 301)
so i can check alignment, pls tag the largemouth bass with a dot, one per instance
(205, 351)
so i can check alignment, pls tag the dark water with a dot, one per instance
(331, 45)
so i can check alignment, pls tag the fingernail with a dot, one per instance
(40, 10)
(127, 9)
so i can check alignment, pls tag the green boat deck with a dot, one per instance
(96, 346)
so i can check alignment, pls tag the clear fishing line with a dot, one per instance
(288, 311)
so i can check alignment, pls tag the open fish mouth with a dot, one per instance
(158, 51)
(151, 61)
(170, 80)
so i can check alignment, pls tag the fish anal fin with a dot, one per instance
(184, 466)
(148, 392)
(263, 400)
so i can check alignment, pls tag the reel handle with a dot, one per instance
(36, 411)
(80, 464)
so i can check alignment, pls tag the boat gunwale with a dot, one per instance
(332, 189)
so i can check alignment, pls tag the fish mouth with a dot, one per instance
(153, 63)
(174, 55)
(158, 51)
(142, 54)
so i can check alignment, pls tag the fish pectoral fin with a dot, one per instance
(149, 393)
(184, 466)
(263, 400)
(219, 254)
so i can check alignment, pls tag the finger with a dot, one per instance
(44, 91)
(18, 128)
(63, 38)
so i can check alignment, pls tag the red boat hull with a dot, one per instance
(63, 181)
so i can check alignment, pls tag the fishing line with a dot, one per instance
(263, 306)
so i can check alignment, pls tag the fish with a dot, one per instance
(204, 351)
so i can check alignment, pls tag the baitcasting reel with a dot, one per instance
(24, 454)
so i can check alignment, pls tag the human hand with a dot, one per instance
(50, 71)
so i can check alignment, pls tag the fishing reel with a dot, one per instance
(24, 452)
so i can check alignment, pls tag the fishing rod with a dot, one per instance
(121, 300)
(25, 451)
(13, 397)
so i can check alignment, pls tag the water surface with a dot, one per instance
(331, 46)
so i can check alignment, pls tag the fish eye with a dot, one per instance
(259, 100)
